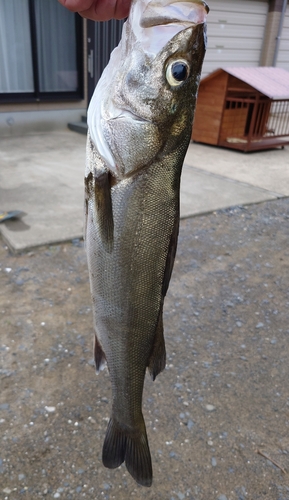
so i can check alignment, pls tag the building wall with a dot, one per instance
(235, 33)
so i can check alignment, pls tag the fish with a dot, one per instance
(139, 128)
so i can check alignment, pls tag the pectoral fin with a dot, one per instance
(103, 206)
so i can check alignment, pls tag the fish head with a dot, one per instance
(143, 105)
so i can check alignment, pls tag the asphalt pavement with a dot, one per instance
(42, 176)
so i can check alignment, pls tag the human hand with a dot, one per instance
(99, 10)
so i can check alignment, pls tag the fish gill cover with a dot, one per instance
(150, 26)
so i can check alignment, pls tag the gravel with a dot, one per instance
(222, 398)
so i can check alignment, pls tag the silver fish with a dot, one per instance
(140, 122)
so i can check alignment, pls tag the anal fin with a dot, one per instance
(157, 361)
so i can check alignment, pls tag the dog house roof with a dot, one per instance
(272, 82)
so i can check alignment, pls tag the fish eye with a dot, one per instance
(177, 72)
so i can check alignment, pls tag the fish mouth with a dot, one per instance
(126, 114)
(176, 12)
(156, 22)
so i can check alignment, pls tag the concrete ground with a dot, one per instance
(42, 175)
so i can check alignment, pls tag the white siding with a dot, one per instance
(283, 54)
(235, 33)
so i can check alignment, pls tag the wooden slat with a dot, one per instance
(258, 145)
(209, 110)
(233, 123)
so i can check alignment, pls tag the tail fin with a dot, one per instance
(133, 448)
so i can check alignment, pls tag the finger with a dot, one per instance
(77, 5)
(99, 10)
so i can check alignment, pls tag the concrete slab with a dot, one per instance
(203, 192)
(266, 169)
(42, 175)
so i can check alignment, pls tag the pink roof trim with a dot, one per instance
(272, 82)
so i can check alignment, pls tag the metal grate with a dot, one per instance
(278, 121)
(257, 118)
(102, 38)
(107, 37)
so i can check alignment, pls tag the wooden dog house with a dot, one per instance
(243, 108)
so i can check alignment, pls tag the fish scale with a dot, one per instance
(133, 171)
